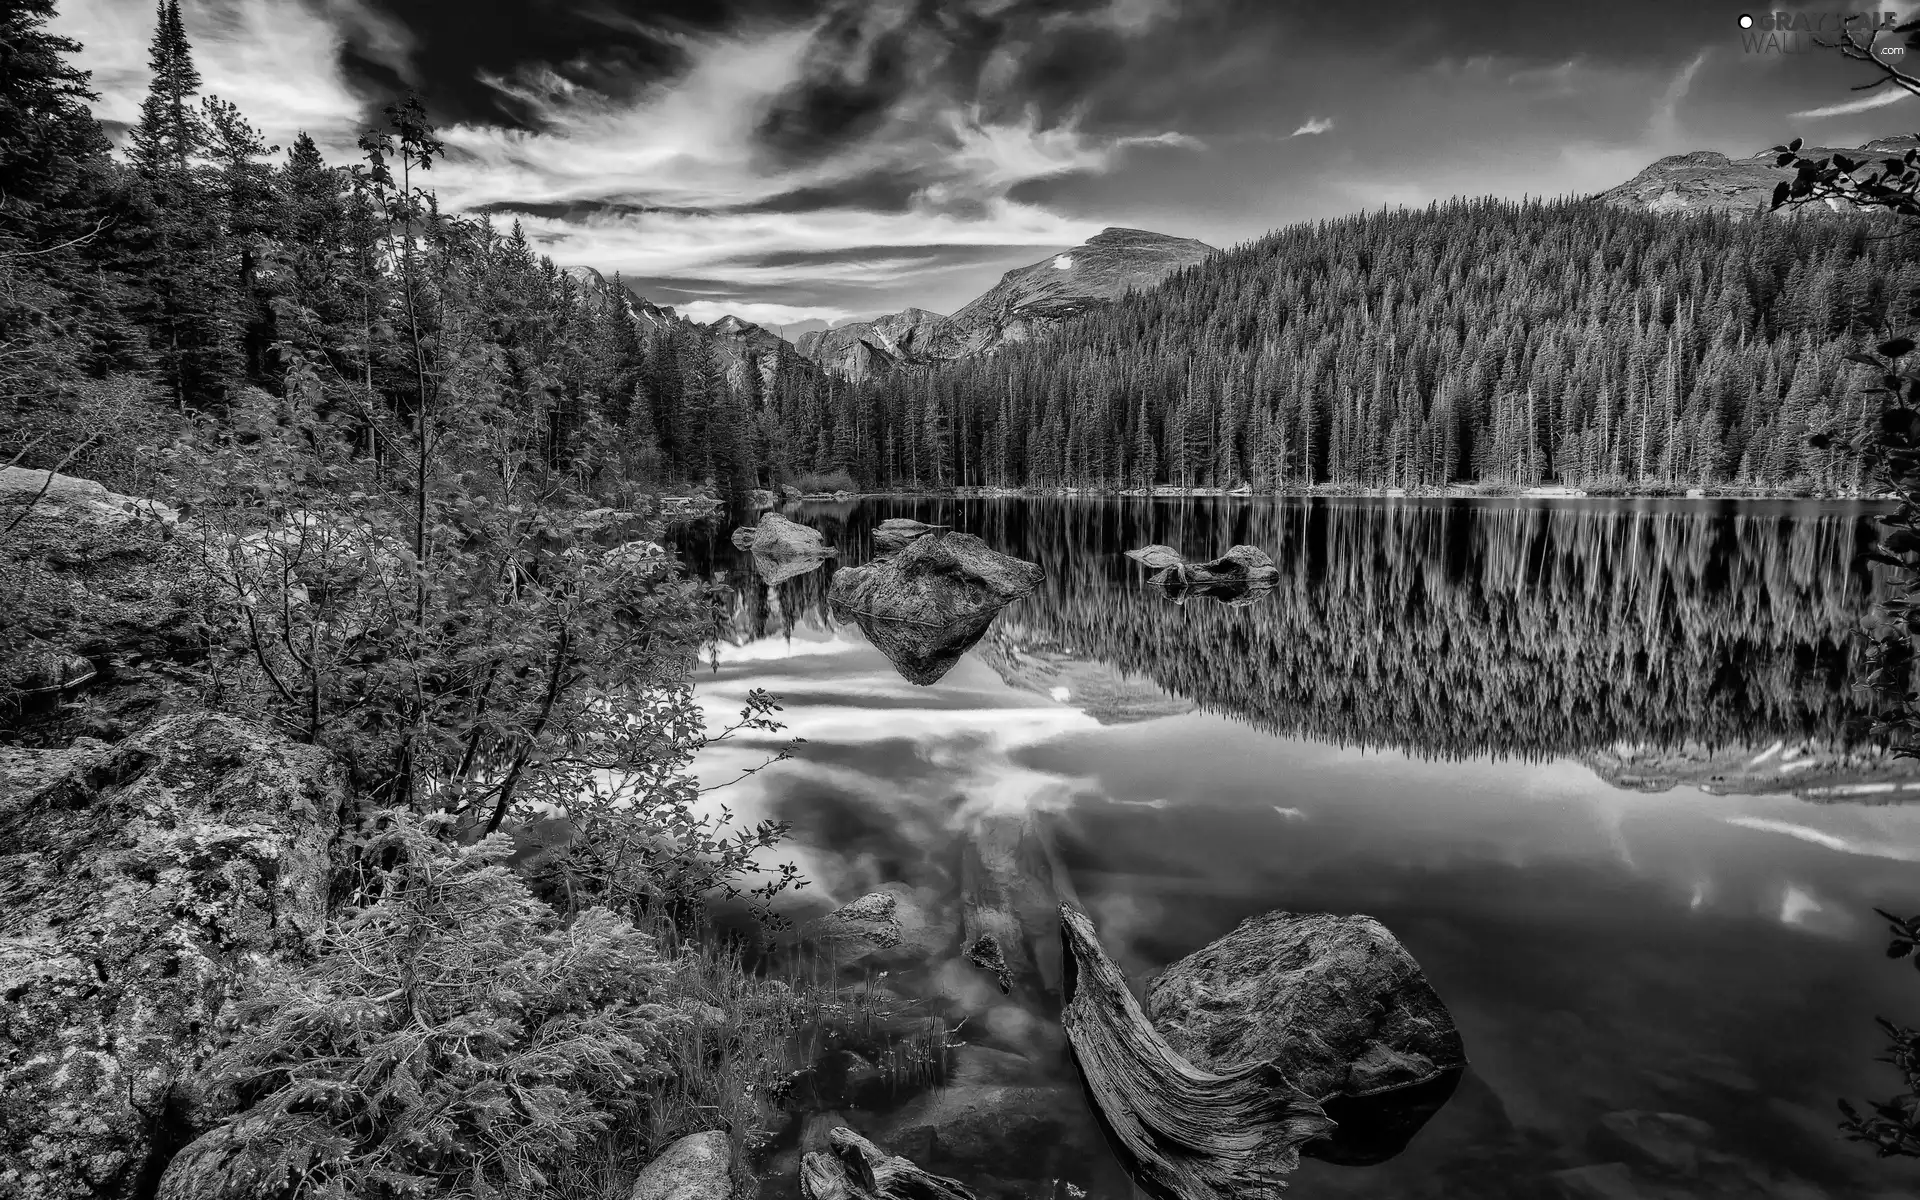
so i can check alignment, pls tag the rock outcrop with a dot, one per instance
(1709, 181)
(1336, 1004)
(697, 1167)
(859, 349)
(97, 587)
(139, 885)
(1184, 1132)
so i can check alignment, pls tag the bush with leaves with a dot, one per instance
(451, 1035)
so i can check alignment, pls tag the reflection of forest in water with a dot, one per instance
(1444, 628)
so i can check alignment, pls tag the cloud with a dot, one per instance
(278, 60)
(1867, 103)
(768, 316)
(1313, 125)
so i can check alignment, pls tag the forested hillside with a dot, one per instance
(1567, 342)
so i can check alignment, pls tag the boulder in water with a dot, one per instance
(777, 537)
(929, 603)
(774, 570)
(1184, 1132)
(743, 537)
(895, 532)
(1336, 1004)
(935, 581)
(1248, 565)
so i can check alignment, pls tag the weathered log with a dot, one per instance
(1184, 1133)
(853, 1168)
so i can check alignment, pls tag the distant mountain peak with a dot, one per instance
(1027, 300)
(1709, 181)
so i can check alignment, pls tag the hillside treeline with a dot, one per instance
(1478, 341)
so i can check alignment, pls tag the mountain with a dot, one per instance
(863, 348)
(739, 342)
(1708, 181)
(1028, 300)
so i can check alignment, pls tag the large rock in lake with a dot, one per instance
(139, 884)
(927, 604)
(778, 538)
(1336, 1003)
(936, 581)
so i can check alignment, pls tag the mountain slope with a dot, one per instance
(1027, 301)
(1708, 181)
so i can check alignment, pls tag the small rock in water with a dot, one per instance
(777, 537)
(697, 1167)
(743, 537)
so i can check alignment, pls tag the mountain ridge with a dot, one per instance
(1710, 181)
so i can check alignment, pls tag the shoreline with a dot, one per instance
(1454, 492)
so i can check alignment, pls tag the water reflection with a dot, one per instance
(1488, 726)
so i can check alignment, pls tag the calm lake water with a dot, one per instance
(1598, 765)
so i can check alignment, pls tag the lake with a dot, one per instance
(1599, 765)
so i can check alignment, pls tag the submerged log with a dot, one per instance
(853, 1168)
(1184, 1133)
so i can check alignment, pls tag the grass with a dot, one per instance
(815, 482)
(749, 1036)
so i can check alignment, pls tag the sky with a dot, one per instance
(819, 160)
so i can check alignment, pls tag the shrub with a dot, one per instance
(836, 480)
(451, 1036)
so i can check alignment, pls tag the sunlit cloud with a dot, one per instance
(1313, 125)
(1867, 103)
(277, 60)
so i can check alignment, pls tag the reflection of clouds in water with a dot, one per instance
(773, 649)
(1800, 908)
(1905, 851)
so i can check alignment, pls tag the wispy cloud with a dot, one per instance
(1312, 126)
(1866, 103)
(278, 60)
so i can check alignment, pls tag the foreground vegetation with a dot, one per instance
(416, 533)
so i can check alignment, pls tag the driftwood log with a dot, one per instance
(1183, 1133)
(853, 1168)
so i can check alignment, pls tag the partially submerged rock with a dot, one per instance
(1184, 1132)
(761, 498)
(1248, 565)
(743, 537)
(929, 603)
(936, 581)
(697, 1167)
(1336, 1002)
(777, 537)
(139, 884)
(1337, 1005)
(853, 1168)
(895, 532)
